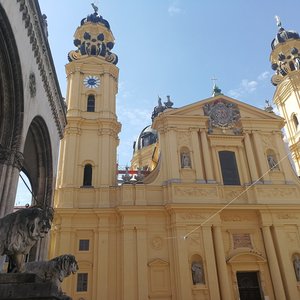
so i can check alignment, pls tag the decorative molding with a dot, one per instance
(192, 192)
(32, 84)
(35, 31)
(11, 157)
(157, 243)
(242, 240)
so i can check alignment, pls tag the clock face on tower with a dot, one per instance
(91, 81)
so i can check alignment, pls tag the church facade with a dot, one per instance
(217, 216)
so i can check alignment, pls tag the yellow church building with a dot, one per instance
(213, 210)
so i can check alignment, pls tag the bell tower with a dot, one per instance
(87, 166)
(285, 60)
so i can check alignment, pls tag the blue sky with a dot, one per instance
(175, 47)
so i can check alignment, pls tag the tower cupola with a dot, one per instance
(285, 55)
(94, 38)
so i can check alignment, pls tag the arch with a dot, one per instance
(38, 163)
(229, 168)
(87, 175)
(11, 114)
(90, 107)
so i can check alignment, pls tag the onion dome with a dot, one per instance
(283, 35)
(94, 38)
(147, 137)
(216, 91)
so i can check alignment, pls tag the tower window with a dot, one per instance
(82, 282)
(84, 245)
(229, 168)
(91, 103)
(87, 175)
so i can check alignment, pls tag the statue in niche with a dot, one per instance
(297, 267)
(272, 162)
(197, 273)
(185, 160)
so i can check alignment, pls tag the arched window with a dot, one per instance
(87, 175)
(91, 103)
(295, 121)
(229, 168)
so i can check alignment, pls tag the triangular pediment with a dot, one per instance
(158, 263)
(246, 110)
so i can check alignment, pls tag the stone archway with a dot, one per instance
(11, 115)
(38, 164)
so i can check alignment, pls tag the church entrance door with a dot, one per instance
(249, 287)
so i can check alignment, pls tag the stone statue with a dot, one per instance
(185, 160)
(54, 270)
(272, 162)
(95, 8)
(297, 267)
(20, 231)
(197, 273)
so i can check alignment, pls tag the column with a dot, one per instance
(284, 165)
(103, 258)
(182, 271)
(244, 178)
(212, 276)
(221, 264)
(273, 264)
(250, 157)
(215, 160)
(173, 158)
(287, 270)
(262, 160)
(142, 261)
(129, 275)
(197, 157)
(207, 158)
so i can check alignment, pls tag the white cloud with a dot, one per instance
(246, 87)
(249, 86)
(174, 9)
(264, 75)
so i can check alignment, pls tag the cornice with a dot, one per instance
(33, 20)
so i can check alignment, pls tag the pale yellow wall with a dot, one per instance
(144, 237)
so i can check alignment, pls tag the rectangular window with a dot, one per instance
(84, 245)
(82, 282)
(229, 168)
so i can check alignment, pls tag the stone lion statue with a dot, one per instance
(54, 270)
(20, 231)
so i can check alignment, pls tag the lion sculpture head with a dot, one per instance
(55, 270)
(20, 231)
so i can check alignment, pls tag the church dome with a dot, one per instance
(147, 137)
(283, 35)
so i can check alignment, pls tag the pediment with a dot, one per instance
(246, 110)
(158, 263)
